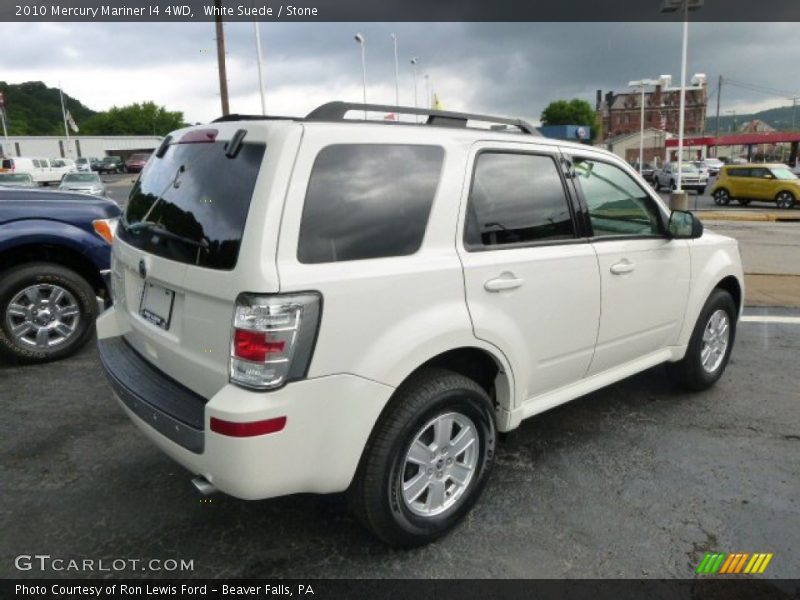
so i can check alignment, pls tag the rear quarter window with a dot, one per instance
(368, 201)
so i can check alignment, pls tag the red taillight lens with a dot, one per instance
(255, 345)
(272, 338)
(250, 429)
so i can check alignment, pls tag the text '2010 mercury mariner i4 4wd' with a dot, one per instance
(326, 305)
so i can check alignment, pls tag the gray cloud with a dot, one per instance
(508, 68)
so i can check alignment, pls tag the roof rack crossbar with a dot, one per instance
(335, 111)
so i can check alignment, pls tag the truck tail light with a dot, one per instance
(273, 338)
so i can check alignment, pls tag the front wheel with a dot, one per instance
(784, 200)
(427, 460)
(656, 185)
(47, 312)
(710, 345)
(722, 197)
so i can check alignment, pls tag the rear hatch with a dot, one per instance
(178, 264)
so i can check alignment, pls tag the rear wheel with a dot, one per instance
(710, 345)
(722, 197)
(427, 460)
(47, 312)
(784, 199)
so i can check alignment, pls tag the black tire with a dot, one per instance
(785, 200)
(689, 372)
(722, 197)
(376, 497)
(656, 185)
(16, 280)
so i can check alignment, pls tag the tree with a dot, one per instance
(570, 112)
(134, 119)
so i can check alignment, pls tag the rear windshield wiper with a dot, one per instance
(156, 229)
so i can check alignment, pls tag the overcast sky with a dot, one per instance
(513, 69)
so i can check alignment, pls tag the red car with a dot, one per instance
(136, 162)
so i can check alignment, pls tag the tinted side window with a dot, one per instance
(368, 201)
(516, 199)
(738, 172)
(759, 172)
(617, 204)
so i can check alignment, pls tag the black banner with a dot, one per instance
(697, 589)
(396, 10)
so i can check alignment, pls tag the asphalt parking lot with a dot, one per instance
(637, 480)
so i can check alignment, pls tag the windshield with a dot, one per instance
(783, 173)
(198, 199)
(81, 177)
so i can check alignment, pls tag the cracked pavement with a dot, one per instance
(636, 480)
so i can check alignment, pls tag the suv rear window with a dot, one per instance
(191, 205)
(8, 163)
(368, 201)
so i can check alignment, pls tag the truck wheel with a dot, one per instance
(427, 460)
(710, 345)
(47, 312)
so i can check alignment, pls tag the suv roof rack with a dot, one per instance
(238, 117)
(335, 111)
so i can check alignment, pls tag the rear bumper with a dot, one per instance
(328, 422)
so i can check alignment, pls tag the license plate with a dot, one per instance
(156, 304)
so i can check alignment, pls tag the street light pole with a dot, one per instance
(681, 116)
(427, 91)
(396, 74)
(260, 74)
(641, 84)
(363, 43)
(414, 62)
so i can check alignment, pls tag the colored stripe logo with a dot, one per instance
(721, 563)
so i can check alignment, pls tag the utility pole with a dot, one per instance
(716, 135)
(260, 68)
(223, 76)
(794, 111)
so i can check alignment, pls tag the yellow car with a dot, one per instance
(764, 182)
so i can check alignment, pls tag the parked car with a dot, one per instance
(648, 172)
(713, 165)
(86, 183)
(136, 162)
(411, 308)
(17, 180)
(40, 169)
(84, 164)
(111, 164)
(702, 168)
(762, 182)
(54, 261)
(691, 178)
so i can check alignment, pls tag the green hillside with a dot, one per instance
(35, 109)
(779, 118)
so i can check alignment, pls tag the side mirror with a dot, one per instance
(683, 225)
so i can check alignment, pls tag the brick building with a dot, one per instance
(619, 114)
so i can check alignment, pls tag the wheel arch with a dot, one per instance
(61, 255)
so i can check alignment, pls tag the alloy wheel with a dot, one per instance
(440, 464)
(715, 340)
(42, 316)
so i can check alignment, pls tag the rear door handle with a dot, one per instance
(622, 267)
(506, 281)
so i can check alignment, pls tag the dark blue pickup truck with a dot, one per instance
(55, 252)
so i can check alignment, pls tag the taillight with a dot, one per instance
(273, 338)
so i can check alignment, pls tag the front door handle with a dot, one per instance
(622, 267)
(506, 281)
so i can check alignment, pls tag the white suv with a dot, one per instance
(322, 304)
